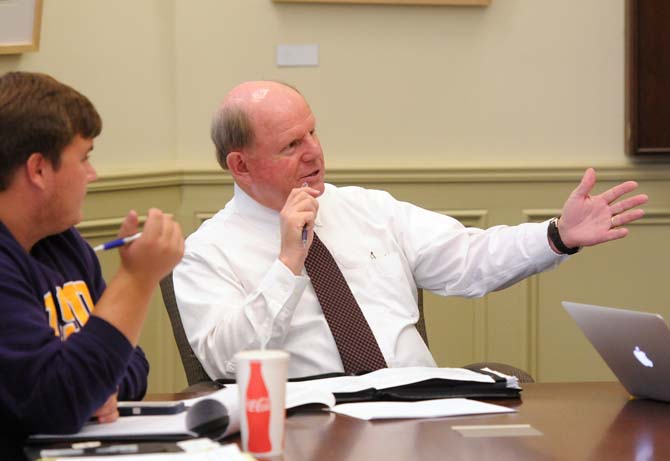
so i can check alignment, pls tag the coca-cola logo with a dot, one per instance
(259, 405)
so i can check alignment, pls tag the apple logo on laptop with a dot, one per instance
(641, 356)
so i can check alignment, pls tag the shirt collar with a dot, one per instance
(247, 206)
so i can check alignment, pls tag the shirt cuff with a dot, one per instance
(281, 287)
(539, 248)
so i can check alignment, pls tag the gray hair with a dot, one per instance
(230, 131)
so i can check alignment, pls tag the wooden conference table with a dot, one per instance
(578, 421)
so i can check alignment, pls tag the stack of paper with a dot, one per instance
(422, 409)
(413, 384)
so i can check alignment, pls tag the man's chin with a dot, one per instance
(314, 182)
(74, 221)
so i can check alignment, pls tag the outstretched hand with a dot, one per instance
(588, 220)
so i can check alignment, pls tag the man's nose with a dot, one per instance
(91, 174)
(313, 148)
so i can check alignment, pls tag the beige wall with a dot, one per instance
(517, 83)
(120, 54)
(521, 82)
(464, 110)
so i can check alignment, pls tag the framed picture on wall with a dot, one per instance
(20, 22)
(648, 79)
(397, 2)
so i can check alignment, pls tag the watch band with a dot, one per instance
(555, 238)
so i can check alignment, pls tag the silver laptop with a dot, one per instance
(635, 345)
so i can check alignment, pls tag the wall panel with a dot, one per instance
(523, 325)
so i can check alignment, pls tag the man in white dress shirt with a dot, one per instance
(242, 283)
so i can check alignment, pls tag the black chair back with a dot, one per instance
(195, 373)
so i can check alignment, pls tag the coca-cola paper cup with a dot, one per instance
(261, 381)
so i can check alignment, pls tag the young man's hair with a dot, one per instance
(38, 114)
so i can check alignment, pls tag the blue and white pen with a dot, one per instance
(304, 236)
(117, 243)
(304, 228)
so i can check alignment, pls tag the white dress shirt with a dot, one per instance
(234, 294)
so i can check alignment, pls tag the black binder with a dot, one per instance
(428, 389)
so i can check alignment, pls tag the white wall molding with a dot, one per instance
(152, 179)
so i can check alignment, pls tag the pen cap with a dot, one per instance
(208, 418)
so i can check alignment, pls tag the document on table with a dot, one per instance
(151, 427)
(394, 377)
(320, 391)
(421, 409)
(229, 452)
(171, 427)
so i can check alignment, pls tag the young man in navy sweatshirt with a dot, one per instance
(68, 342)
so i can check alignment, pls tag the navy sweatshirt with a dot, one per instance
(58, 363)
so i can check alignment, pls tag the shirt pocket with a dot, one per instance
(387, 265)
(366, 258)
(379, 281)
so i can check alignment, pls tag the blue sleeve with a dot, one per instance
(133, 385)
(55, 386)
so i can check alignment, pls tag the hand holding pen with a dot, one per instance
(117, 243)
(304, 228)
(142, 264)
(296, 219)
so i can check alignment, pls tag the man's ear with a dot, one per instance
(36, 168)
(237, 165)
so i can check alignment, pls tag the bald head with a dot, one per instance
(246, 111)
(265, 135)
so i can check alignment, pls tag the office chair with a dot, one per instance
(195, 373)
(421, 323)
(524, 377)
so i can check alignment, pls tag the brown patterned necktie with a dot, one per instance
(357, 345)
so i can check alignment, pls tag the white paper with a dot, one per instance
(512, 381)
(154, 425)
(161, 425)
(422, 409)
(297, 394)
(392, 377)
(229, 452)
